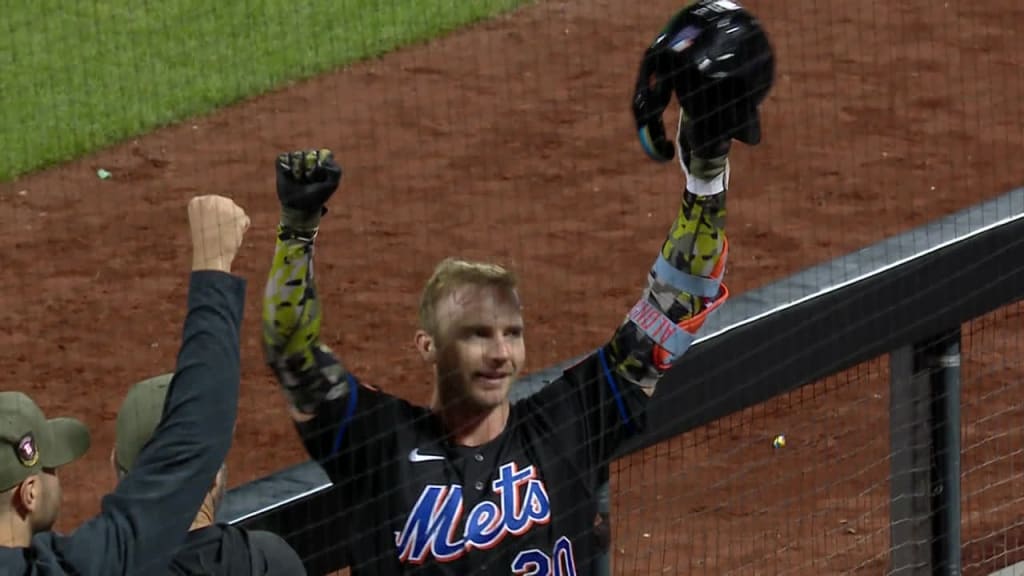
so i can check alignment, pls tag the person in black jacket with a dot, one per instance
(211, 548)
(146, 518)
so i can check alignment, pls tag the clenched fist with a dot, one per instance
(218, 226)
(306, 179)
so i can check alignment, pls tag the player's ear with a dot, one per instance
(424, 343)
(29, 494)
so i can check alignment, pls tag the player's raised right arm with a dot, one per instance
(307, 370)
(321, 393)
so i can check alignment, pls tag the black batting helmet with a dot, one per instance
(715, 56)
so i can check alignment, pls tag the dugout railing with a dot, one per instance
(906, 297)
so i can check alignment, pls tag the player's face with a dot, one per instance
(480, 347)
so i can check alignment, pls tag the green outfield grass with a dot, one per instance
(79, 75)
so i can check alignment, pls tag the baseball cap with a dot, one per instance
(29, 442)
(140, 414)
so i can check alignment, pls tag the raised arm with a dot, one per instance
(713, 56)
(609, 389)
(684, 284)
(308, 371)
(148, 515)
(327, 403)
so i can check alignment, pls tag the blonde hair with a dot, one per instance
(452, 273)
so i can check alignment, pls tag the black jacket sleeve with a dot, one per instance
(148, 515)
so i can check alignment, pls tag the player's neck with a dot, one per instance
(14, 532)
(475, 428)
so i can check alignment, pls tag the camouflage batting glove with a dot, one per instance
(306, 180)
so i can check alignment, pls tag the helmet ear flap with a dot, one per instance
(651, 96)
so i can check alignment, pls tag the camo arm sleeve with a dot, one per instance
(347, 423)
(684, 286)
(307, 370)
(601, 401)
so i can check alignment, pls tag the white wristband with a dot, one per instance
(716, 185)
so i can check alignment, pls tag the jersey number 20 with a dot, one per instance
(537, 563)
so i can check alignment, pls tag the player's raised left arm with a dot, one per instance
(715, 58)
(603, 398)
(684, 284)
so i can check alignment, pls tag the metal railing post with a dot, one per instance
(942, 358)
(924, 436)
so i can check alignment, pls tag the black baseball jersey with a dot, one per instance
(523, 503)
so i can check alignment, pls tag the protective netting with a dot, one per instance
(730, 499)
(725, 499)
(509, 141)
(992, 410)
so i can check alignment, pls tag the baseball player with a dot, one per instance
(211, 548)
(144, 520)
(472, 484)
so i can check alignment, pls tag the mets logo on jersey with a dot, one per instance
(433, 527)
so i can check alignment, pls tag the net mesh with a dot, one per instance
(726, 499)
(992, 407)
(510, 140)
